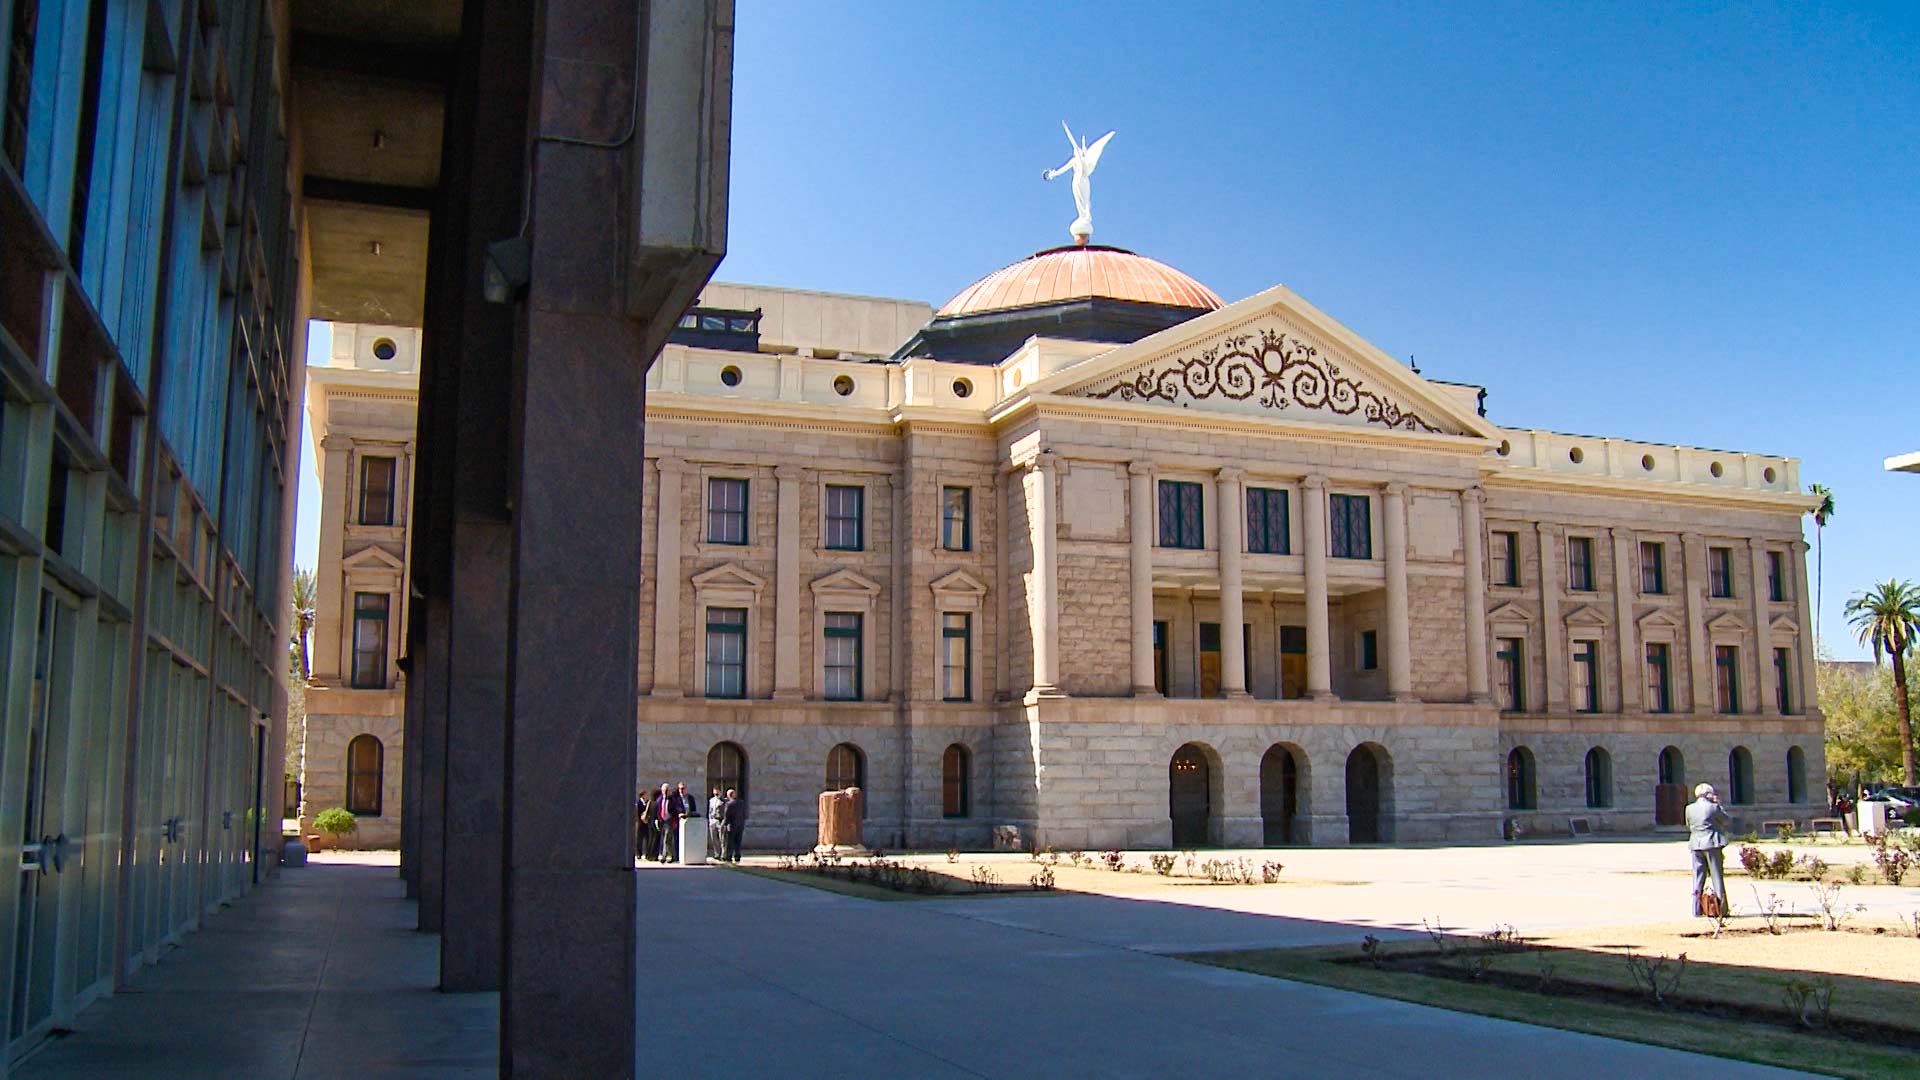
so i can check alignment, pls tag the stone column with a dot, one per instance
(787, 684)
(1699, 651)
(1046, 578)
(1764, 681)
(667, 579)
(330, 646)
(1473, 533)
(1552, 634)
(1233, 654)
(1805, 643)
(1313, 524)
(1141, 507)
(1628, 643)
(1399, 624)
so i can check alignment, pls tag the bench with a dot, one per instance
(1826, 824)
(1778, 826)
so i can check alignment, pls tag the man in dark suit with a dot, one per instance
(669, 815)
(733, 822)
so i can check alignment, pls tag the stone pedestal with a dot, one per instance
(693, 841)
(840, 818)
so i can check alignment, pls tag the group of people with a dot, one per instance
(661, 813)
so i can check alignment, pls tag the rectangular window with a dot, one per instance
(1659, 677)
(1160, 657)
(376, 491)
(1209, 659)
(1350, 519)
(726, 510)
(1266, 521)
(1181, 522)
(370, 640)
(1720, 571)
(956, 518)
(956, 652)
(1506, 558)
(1586, 676)
(1726, 678)
(726, 652)
(1783, 680)
(846, 517)
(1513, 675)
(843, 655)
(1246, 656)
(1369, 650)
(1653, 568)
(1776, 577)
(1580, 563)
(1293, 662)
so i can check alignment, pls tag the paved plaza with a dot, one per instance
(318, 975)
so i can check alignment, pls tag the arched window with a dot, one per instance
(1522, 792)
(956, 769)
(1673, 767)
(1796, 775)
(1599, 778)
(727, 768)
(366, 772)
(1740, 777)
(847, 767)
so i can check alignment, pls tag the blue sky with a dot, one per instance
(1692, 223)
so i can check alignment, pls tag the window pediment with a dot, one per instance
(1727, 623)
(728, 583)
(1587, 615)
(373, 558)
(1783, 626)
(959, 582)
(1510, 614)
(845, 582)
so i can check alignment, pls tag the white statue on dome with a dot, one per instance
(1082, 164)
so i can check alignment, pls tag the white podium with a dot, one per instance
(1873, 817)
(693, 841)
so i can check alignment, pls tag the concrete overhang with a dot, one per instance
(1904, 463)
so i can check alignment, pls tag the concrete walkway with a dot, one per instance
(318, 974)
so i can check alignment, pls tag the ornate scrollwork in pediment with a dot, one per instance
(1273, 369)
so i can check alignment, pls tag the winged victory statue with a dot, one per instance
(1081, 164)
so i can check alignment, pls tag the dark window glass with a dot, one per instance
(1369, 650)
(366, 772)
(727, 769)
(1181, 521)
(956, 652)
(1653, 568)
(376, 490)
(1586, 675)
(843, 655)
(955, 765)
(20, 42)
(1659, 678)
(1740, 776)
(1160, 657)
(1720, 571)
(1506, 558)
(370, 641)
(1783, 680)
(1776, 577)
(1267, 521)
(726, 652)
(726, 510)
(847, 768)
(1599, 778)
(1580, 563)
(956, 518)
(1726, 672)
(1796, 775)
(846, 517)
(1513, 675)
(1522, 791)
(1673, 767)
(1351, 522)
(84, 145)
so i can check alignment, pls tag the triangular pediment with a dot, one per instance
(1658, 619)
(1275, 356)
(1509, 613)
(846, 581)
(1783, 626)
(1586, 615)
(959, 583)
(1728, 622)
(372, 558)
(729, 576)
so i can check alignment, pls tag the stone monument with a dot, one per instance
(840, 816)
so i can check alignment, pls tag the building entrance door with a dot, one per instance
(45, 846)
(1363, 797)
(1189, 800)
(1279, 795)
(1209, 659)
(1293, 662)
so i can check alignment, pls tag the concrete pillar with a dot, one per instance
(1233, 513)
(1764, 680)
(1699, 650)
(1473, 533)
(329, 646)
(787, 682)
(1806, 698)
(1046, 575)
(667, 578)
(1141, 507)
(1313, 525)
(432, 669)
(1553, 634)
(1631, 682)
(1399, 623)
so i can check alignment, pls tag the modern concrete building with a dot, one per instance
(1092, 559)
(1904, 462)
(362, 410)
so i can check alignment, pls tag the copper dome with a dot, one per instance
(1080, 272)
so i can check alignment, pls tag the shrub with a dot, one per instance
(1656, 976)
(1162, 863)
(1754, 860)
(1857, 874)
(1785, 832)
(1370, 948)
(1270, 872)
(984, 879)
(1780, 865)
(1811, 1002)
(1042, 879)
(1813, 867)
(1114, 861)
(335, 822)
(1892, 856)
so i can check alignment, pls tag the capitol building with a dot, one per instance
(1089, 558)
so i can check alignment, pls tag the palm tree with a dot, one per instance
(303, 610)
(1820, 515)
(1887, 617)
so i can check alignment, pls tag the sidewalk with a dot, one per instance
(318, 973)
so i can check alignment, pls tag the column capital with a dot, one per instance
(1314, 482)
(1622, 532)
(789, 473)
(1397, 489)
(1140, 468)
(336, 442)
(1799, 547)
(673, 466)
(1043, 461)
(1691, 538)
(1476, 495)
(1756, 544)
(1231, 474)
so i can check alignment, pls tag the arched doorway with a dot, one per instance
(1740, 776)
(726, 769)
(1369, 790)
(1189, 795)
(1796, 775)
(1522, 788)
(1279, 793)
(1670, 789)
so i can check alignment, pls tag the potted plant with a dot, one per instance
(335, 823)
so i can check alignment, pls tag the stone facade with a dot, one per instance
(362, 408)
(1365, 635)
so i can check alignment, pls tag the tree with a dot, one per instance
(304, 602)
(1820, 515)
(1862, 737)
(1887, 617)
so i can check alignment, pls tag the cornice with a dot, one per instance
(1045, 405)
(1523, 479)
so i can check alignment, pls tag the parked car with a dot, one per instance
(1897, 805)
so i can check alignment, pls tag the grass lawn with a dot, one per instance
(1729, 984)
